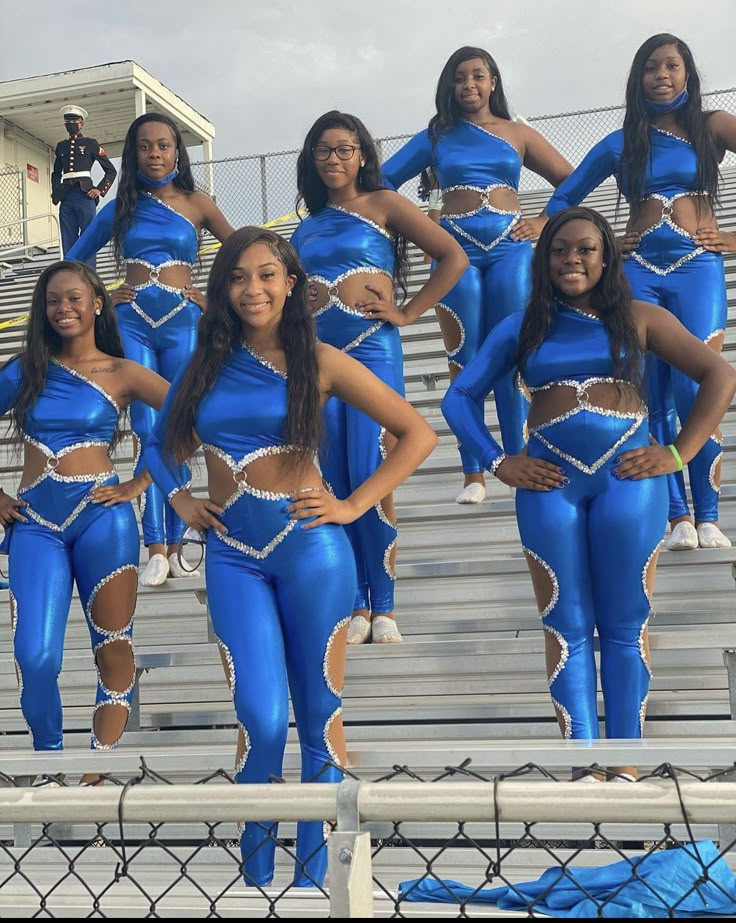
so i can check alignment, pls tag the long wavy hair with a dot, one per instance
(448, 110)
(128, 190)
(312, 192)
(690, 118)
(220, 332)
(611, 298)
(42, 342)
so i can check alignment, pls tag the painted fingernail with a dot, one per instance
(566, 480)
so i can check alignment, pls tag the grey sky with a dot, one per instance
(262, 70)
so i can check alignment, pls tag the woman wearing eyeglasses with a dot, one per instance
(353, 246)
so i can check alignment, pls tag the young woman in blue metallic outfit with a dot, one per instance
(65, 393)
(665, 161)
(591, 499)
(279, 568)
(353, 246)
(155, 223)
(476, 151)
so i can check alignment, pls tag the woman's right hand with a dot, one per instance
(123, 294)
(530, 473)
(9, 508)
(629, 241)
(198, 514)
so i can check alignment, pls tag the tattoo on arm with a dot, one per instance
(107, 368)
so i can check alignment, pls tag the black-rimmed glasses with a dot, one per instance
(344, 151)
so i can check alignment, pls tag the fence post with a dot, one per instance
(729, 659)
(264, 190)
(349, 857)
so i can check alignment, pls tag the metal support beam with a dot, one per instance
(729, 659)
(350, 864)
(140, 102)
(209, 173)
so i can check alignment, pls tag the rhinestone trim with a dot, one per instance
(326, 660)
(564, 654)
(567, 719)
(712, 473)
(326, 737)
(55, 527)
(663, 131)
(496, 463)
(113, 693)
(95, 744)
(642, 650)
(479, 243)
(263, 361)
(332, 284)
(252, 552)
(346, 211)
(383, 517)
(712, 336)
(456, 317)
(387, 560)
(382, 443)
(484, 192)
(676, 265)
(571, 307)
(177, 490)
(497, 137)
(238, 468)
(162, 203)
(118, 632)
(363, 336)
(240, 765)
(643, 713)
(581, 466)
(92, 384)
(552, 576)
(644, 572)
(162, 320)
(225, 650)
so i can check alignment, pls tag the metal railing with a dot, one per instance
(261, 187)
(23, 249)
(157, 848)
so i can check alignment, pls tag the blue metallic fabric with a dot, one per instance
(669, 269)
(333, 245)
(159, 328)
(498, 281)
(278, 596)
(66, 538)
(596, 537)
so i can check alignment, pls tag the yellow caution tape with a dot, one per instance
(21, 318)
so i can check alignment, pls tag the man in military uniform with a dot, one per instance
(71, 182)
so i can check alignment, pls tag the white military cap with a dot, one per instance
(74, 110)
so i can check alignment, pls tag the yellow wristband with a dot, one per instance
(674, 451)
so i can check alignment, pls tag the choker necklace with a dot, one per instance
(156, 183)
(657, 108)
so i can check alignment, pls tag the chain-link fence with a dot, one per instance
(11, 208)
(262, 188)
(661, 846)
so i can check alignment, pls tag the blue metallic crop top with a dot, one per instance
(465, 155)
(72, 412)
(158, 236)
(575, 350)
(335, 242)
(671, 170)
(242, 417)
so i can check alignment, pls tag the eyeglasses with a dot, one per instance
(343, 151)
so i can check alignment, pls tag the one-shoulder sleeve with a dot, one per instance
(598, 164)
(166, 472)
(95, 236)
(409, 161)
(462, 404)
(10, 376)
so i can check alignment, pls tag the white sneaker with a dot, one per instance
(385, 631)
(588, 778)
(473, 493)
(176, 570)
(156, 572)
(683, 537)
(359, 629)
(710, 536)
(624, 777)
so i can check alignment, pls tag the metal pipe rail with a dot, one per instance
(21, 248)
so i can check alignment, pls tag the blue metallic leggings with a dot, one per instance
(278, 595)
(163, 342)
(59, 544)
(352, 451)
(589, 546)
(497, 283)
(696, 294)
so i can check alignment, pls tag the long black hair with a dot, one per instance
(448, 110)
(220, 332)
(690, 118)
(312, 192)
(42, 342)
(611, 298)
(127, 195)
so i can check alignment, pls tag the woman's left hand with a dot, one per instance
(381, 308)
(120, 493)
(321, 504)
(648, 462)
(528, 228)
(193, 294)
(715, 240)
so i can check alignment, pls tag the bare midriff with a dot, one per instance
(90, 460)
(273, 473)
(551, 403)
(355, 289)
(459, 201)
(173, 276)
(690, 213)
